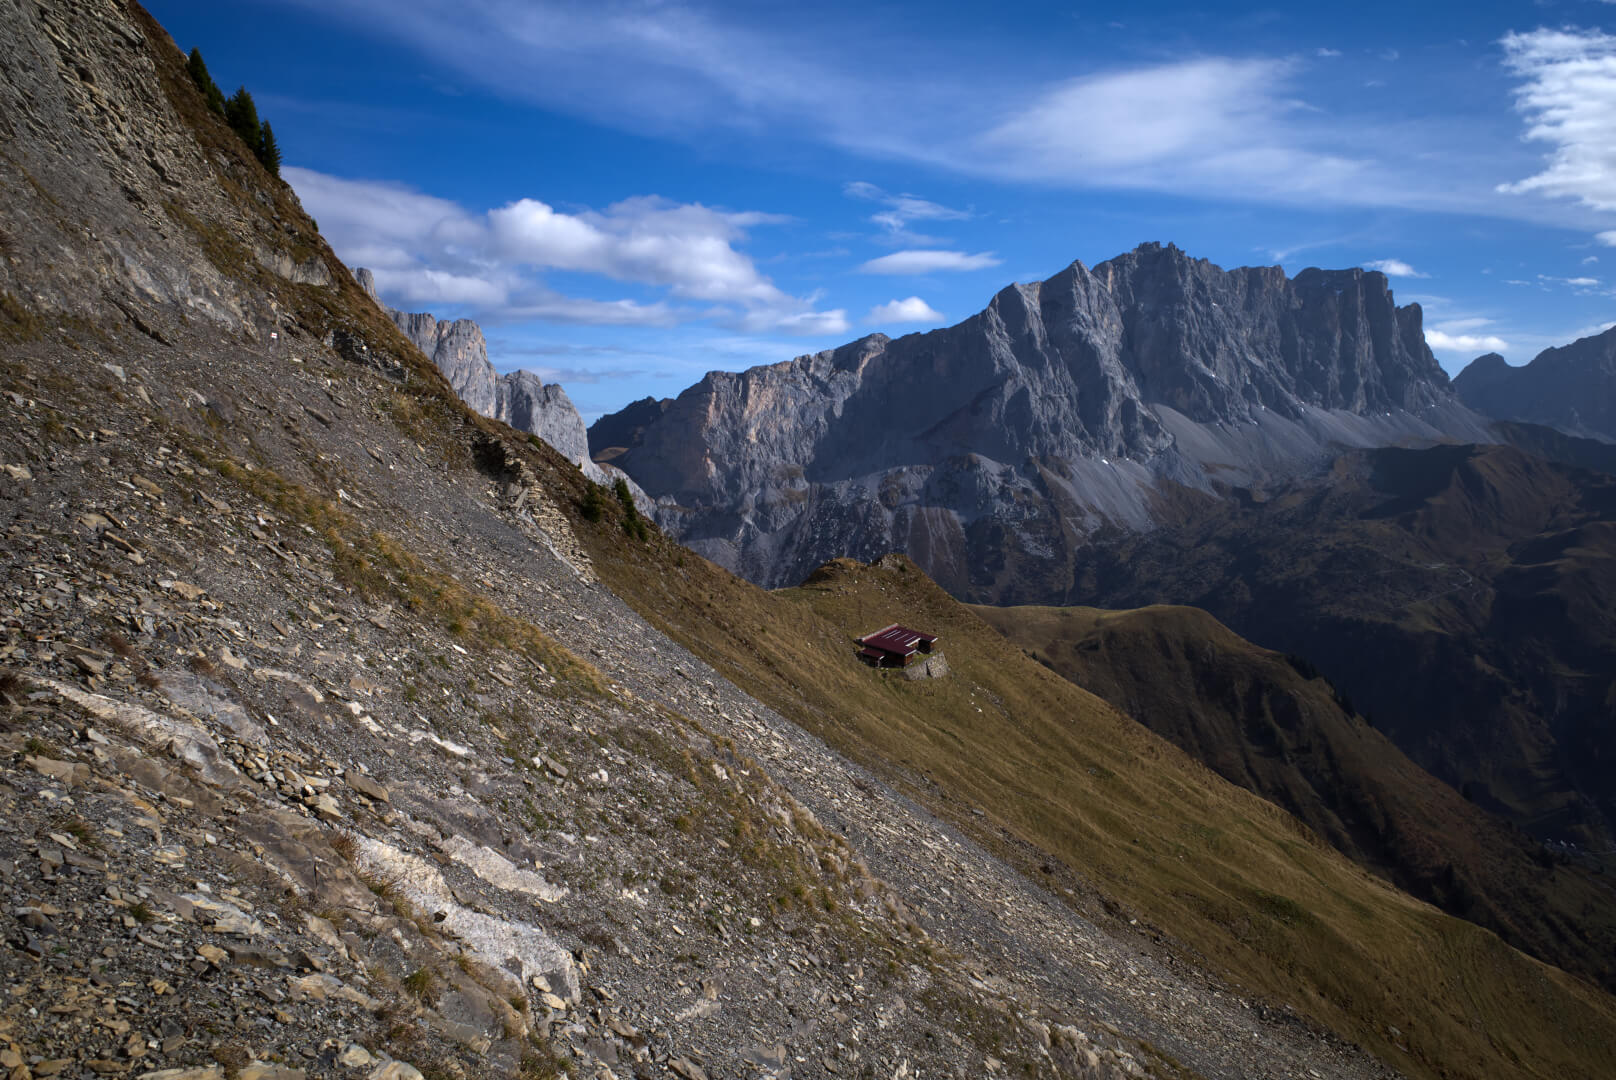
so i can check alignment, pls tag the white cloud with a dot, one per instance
(1568, 97)
(685, 247)
(1465, 343)
(928, 262)
(1586, 259)
(1607, 238)
(1126, 119)
(1394, 268)
(910, 310)
(425, 251)
(902, 209)
(1215, 125)
(1582, 285)
(1329, 54)
(556, 308)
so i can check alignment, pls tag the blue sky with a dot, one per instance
(629, 194)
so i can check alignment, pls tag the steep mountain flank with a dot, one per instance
(303, 774)
(991, 449)
(1571, 387)
(1270, 724)
(327, 748)
(1460, 595)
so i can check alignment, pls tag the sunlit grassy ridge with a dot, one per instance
(1223, 873)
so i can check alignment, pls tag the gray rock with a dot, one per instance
(520, 398)
(527, 403)
(366, 786)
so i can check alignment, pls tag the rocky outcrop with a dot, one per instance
(1571, 388)
(520, 398)
(527, 403)
(987, 449)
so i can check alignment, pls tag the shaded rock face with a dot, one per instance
(1460, 595)
(1572, 387)
(612, 434)
(987, 449)
(459, 350)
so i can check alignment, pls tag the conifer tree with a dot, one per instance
(242, 115)
(204, 81)
(199, 71)
(269, 153)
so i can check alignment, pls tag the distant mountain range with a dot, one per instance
(1571, 388)
(991, 450)
(1460, 595)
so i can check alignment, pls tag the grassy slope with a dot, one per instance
(1223, 873)
(1257, 721)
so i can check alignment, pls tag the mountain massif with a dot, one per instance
(992, 450)
(1571, 388)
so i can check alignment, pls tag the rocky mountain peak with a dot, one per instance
(1152, 364)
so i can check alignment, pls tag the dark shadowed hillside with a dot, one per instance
(1461, 596)
(1571, 387)
(1270, 724)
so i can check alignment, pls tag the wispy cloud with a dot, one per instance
(1568, 96)
(928, 261)
(1394, 268)
(900, 210)
(910, 310)
(1234, 127)
(1582, 285)
(1212, 125)
(425, 251)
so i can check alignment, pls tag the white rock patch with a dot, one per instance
(496, 942)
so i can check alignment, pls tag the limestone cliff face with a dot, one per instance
(520, 398)
(1572, 388)
(527, 403)
(987, 449)
(460, 351)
